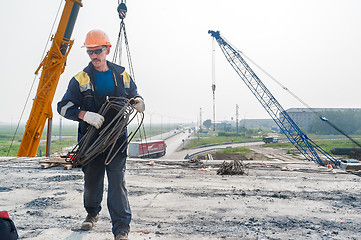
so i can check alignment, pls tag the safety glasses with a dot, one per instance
(96, 51)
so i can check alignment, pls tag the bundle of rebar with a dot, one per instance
(234, 167)
(118, 113)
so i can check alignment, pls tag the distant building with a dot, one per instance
(223, 124)
(258, 123)
(304, 117)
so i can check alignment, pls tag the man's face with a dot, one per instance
(98, 56)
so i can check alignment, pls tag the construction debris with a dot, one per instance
(54, 162)
(234, 167)
(350, 165)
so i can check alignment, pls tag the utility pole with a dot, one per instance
(60, 127)
(161, 127)
(214, 85)
(150, 126)
(237, 117)
(200, 120)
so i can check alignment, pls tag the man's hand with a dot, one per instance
(94, 119)
(139, 105)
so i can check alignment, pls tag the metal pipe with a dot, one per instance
(48, 137)
(70, 25)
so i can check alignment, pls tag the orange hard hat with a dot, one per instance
(96, 38)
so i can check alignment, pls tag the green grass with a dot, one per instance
(7, 142)
(326, 145)
(56, 146)
(292, 152)
(241, 150)
(204, 139)
(4, 150)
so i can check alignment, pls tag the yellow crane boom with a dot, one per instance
(53, 66)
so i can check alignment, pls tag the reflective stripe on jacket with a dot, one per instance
(82, 94)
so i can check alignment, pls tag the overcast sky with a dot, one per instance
(310, 46)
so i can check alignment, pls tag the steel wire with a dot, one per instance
(118, 113)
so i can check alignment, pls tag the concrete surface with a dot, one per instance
(177, 199)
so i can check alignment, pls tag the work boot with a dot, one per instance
(121, 236)
(89, 222)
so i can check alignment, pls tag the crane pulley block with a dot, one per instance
(122, 10)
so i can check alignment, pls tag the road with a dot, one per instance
(174, 143)
(174, 140)
(174, 146)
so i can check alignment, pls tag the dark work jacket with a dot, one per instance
(82, 94)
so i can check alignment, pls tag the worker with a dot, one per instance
(86, 93)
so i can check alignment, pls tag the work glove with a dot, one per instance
(139, 105)
(94, 119)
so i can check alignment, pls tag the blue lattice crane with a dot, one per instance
(305, 145)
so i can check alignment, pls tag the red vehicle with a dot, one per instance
(154, 148)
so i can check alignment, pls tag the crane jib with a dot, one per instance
(52, 66)
(305, 145)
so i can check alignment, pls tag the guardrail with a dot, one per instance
(188, 156)
(215, 149)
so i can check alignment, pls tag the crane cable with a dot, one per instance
(32, 85)
(317, 114)
(122, 11)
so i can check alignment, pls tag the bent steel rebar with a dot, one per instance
(118, 113)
